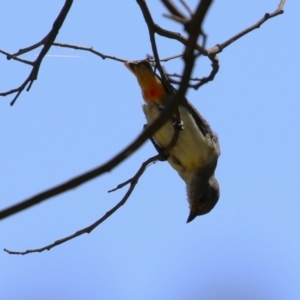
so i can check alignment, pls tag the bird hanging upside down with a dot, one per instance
(195, 154)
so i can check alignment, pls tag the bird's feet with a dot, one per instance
(178, 125)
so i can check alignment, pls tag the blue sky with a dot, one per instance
(83, 110)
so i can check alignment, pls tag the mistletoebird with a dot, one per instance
(195, 154)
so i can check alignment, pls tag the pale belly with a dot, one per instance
(192, 150)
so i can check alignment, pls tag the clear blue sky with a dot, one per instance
(83, 110)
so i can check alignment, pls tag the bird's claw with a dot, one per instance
(178, 125)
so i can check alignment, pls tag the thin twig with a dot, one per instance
(90, 228)
(176, 18)
(173, 9)
(171, 57)
(47, 42)
(89, 175)
(157, 29)
(132, 181)
(170, 90)
(187, 7)
(25, 50)
(151, 28)
(212, 52)
(219, 47)
(159, 157)
(89, 49)
(24, 61)
(178, 37)
(200, 81)
(105, 56)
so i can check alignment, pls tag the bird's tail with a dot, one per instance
(151, 85)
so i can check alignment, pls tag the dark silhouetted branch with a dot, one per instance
(47, 42)
(219, 47)
(105, 56)
(133, 181)
(199, 81)
(173, 9)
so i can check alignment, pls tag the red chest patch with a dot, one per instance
(154, 92)
(150, 94)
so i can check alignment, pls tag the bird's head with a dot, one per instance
(203, 195)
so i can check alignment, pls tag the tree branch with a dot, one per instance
(89, 175)
(200, 81)
(187, 7)
(133, 181)
(24, 61)
(172, 8)
(151, 28)
(219, 47)
(105, 56)
(47, 42)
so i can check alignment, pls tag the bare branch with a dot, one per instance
(171, 57)
(105, 56)
(25, 50)
(8, 55)
(186, 6)
(212, 52)
(219, 47)
(133, 181)
(178, 37)
(76, 181)
(172, 8)
(89, 49)
(176, 18)
(151, 28)
(200, 81)
(47, 42)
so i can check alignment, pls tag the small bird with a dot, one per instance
(195, 154)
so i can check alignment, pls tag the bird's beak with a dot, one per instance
(192, 215)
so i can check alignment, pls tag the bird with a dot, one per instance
(196, 152)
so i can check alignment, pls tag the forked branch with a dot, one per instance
(47, 42)
(133, 181)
